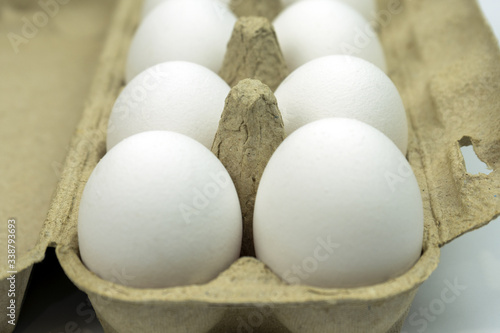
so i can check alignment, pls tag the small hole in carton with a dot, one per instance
(473, 164)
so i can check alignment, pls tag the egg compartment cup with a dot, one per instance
(444, 61)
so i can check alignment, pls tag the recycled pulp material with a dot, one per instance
(46, 63)
(250, 130)
(253, 51)
(265, 8)
(446, 64)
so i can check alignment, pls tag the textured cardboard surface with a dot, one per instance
(265, 8)
(445, 63)
(45, 76)
(447, 70)
(44, 83)
(253, 53)
(250, 130)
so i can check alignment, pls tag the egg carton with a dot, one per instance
(444, 61)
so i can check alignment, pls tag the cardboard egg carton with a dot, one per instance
(445, 63)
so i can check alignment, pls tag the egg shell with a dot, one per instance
(311, 29)
(365, 7)
(343, 86)
(189, 30)
(176, 96)
(149, 5)
(159, 210)
(338, 206)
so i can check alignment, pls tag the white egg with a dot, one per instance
(159, 210)
(366, 7)
(338, 206)
(176, 96)
(149, 5)
(191, 30)
(311, 29)
(343, 86)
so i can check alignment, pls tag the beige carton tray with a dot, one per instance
(446, 64)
